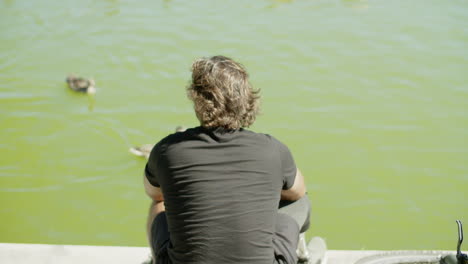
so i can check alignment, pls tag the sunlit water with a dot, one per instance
(370, 96)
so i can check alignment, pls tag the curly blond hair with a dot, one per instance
(221, 93)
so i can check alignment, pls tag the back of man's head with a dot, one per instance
(222, 94)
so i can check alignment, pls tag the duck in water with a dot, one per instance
(145, 150)
(82, 85)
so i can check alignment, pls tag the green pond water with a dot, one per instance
(370, 96)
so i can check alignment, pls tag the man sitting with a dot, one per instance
(222, 193)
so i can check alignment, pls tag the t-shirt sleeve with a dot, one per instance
(288, 166)
(152, 164)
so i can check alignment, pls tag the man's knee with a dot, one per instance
(159, 231)
(299, 210)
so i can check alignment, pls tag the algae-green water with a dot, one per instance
(370, 96)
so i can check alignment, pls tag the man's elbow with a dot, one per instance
(297, 191)
(153, 192)
(293, 194)
(154, 195)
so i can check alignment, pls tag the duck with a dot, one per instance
(142, 151)
(82, 85)
(145, 149)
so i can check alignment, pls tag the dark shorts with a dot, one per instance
(292, 219)
(160, 238)
(285, 239)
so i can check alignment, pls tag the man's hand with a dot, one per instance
(297, 190)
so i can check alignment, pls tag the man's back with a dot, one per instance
(221, 191)
(215, 189)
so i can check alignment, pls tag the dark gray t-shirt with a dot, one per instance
(221, 191)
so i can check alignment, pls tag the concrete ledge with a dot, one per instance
(347, 256)
(68, 254)
(73, 254)
(380, 256)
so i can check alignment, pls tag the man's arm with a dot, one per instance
(297, 190)
(156, 207)
(155, 193)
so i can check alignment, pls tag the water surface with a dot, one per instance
(370, 96)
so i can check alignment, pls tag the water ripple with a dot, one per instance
(33, 189)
